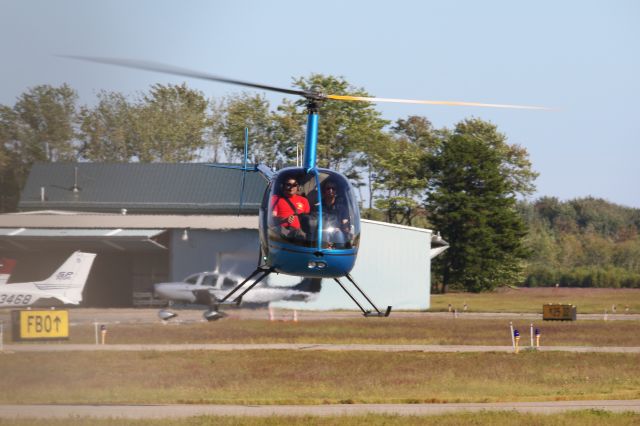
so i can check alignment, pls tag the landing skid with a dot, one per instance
(366, 313)
(206, 298)
(214, 313)
(259, 270)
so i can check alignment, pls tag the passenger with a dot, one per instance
(335, 215)
(287, 209)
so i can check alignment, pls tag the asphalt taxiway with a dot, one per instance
(188, 410)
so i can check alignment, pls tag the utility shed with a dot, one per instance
(393, 268)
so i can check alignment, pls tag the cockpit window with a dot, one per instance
(210, 280)
(316, 209)
(192, 279)
(228, 283)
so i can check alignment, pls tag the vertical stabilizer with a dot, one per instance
(6, 268)
(69, 280)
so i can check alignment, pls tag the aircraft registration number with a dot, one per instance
(15, 299)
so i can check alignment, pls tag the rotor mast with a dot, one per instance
(311, 139)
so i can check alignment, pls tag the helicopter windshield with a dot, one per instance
(315, 209)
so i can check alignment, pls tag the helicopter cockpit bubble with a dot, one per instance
(315, 209)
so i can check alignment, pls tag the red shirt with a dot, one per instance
(282, 209)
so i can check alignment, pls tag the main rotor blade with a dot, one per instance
(170, 69)
(413, 101)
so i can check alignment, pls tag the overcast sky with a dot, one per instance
(582, 57)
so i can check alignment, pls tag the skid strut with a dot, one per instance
(366, 313)
(265, 272)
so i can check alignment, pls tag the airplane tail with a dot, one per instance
(6, 267)
(69, 280)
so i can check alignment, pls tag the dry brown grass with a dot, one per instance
(392, 330)
(504, 418)
(588, 300)
(289, 377)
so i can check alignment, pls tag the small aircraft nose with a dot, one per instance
(160, 290)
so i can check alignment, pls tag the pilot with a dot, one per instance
(288, 207)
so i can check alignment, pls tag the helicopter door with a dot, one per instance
(336, 211)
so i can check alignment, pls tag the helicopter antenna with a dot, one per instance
(244, 167)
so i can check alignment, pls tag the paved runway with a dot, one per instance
(165, 411)
(149, 316)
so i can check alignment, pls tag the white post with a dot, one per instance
(531, 334)
(95, 325)
(513, 339)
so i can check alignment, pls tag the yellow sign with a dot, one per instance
(44, 324)
(552, 311)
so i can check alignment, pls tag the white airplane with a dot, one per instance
(206, 288)
(6, 267)
(64, 286)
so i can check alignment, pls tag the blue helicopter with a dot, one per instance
(309, 218)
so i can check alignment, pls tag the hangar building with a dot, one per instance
(151, 223)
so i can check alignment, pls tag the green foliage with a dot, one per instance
(11, 168)
(472, 204)
(252, 112)
(44, 123)
(39, 127)
(169, 124)
(345, 128)
(401, 168)
(106, 131)
(584, 242)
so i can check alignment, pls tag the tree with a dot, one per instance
(400, 166)
(11, 167)
(252, 112)
(44, 123)
(473, 204)
(169, 124)
(39, 127)
(106, 131)
(345, 128)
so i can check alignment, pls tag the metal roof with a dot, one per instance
(84, 220)
(88, 239)
(187, 188)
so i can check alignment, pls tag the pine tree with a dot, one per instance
(473, 205)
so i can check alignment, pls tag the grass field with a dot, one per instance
(582, 418)
(290, 377)
(588, 300)
(392, 330)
